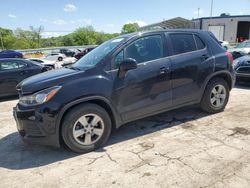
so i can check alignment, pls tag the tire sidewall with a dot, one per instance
(206, 101)
(73, 116)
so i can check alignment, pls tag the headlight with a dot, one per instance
(235, 63)
(39, 97)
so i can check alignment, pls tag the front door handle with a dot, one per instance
(164, 70)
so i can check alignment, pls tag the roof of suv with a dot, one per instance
(130, 35)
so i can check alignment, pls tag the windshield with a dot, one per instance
(95, 56)
(241, 45)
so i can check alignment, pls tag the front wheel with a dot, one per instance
(86, 128)
(216, 96)
(60, 58)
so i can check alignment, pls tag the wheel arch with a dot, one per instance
(220, 74)
(100, 101)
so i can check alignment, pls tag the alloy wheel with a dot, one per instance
(218, 96)
(88, 129)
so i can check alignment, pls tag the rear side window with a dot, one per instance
(182, 43)
(22, 65)
(200, 44)
(6, 66)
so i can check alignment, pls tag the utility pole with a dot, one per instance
(211, 11)
(198, 12)
(1, 38)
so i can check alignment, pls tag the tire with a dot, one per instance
(72, 125)
(60, 58)
(207, 102)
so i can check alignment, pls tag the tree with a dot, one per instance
(23, 39)
(130, 28)
(36, 32)
(7, 38)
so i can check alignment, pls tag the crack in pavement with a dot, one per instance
(181, 161)
(218, 140)
(94, 159)
(110, 158)
(239, 130)
(148, 162)
(221, 176)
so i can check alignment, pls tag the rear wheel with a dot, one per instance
(86, 128)
(216, 96)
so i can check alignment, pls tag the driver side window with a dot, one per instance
(142, 50)
(145, 49)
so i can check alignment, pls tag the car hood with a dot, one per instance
(242, 61)
(242, 50)
(243, 58)
(47, 79)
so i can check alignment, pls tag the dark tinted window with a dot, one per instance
(200, 44)
(5, 66)
(182, 43)
(22, 65)
(145, 49)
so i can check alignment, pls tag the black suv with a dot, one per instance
(124, 79)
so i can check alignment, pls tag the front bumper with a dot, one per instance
(35, 127)
(242, 75)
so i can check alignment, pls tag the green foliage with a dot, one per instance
(130, 28)
(21, 39)
(24, 39)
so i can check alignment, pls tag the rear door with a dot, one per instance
(146, 89)
(189, 57)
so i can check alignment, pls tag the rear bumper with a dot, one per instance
(33, 128)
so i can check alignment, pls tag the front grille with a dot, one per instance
(243, 70)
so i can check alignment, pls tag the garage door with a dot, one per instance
(218, 31)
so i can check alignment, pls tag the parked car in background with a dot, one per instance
(13, 71)
(67, 52)
(124, 79)
(84, 52)
(69, 61)
(55, 57)
(224, 44)
(242, 68)
(241, 49)
(10, 54)
(48, 63)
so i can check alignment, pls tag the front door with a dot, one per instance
(146, 89)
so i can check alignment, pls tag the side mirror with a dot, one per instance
(125, 66)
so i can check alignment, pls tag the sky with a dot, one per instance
(59, 17)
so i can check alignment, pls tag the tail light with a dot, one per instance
(230, 57)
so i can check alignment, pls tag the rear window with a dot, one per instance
(182, 43)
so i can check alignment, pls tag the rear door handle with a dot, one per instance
(24, 72)
(164, 70)
(204, 57)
